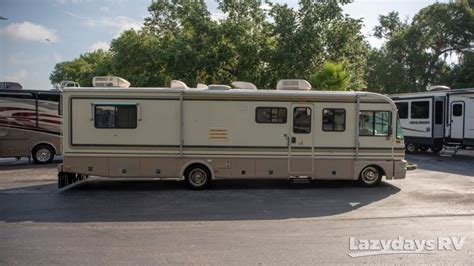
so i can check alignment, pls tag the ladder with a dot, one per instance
(450, 149)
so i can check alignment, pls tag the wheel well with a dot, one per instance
(375, 166)
(197, 164)
(43, 144)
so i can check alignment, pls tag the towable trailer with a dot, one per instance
(436, 119)
(214, 132)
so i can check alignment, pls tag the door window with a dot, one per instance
(439, 112)
(457, 109)
(302, 120)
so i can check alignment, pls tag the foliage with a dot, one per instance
(332, 76)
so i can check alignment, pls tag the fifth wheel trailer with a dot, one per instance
(199, 135)
(433, 119)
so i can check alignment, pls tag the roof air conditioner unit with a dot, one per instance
(438, 88)
(178, 84)
(244, 85)
(110, 81)
(293, 84)
(201, 86)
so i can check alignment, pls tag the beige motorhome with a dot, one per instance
(213, 132)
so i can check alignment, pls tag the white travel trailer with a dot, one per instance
(202, 134)
(436, 118)
(30, 125)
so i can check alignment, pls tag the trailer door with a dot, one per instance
(457, 120)
(300, 142)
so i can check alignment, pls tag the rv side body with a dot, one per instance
(433, 119)
(235, 134)
(29, 119)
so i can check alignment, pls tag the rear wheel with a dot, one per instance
(198, 177)
(43, 154)
(411, 147)
(436, 148)
(370, 176)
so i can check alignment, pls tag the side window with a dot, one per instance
(115, 116)
(402, 110)
(375, 123)
(439, 110)
(51, 97)
(334, 119)
(270, 115)
(302, 120)
(420, 109)
(457, 109)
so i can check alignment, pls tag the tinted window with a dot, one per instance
(334, 120)
(275, 115)
(49, 97)
(374, 123)
(420, 109)
(439, 112)
(302, 120)
(457, 109)
(402, 110)
(17, 95)
(115, 116)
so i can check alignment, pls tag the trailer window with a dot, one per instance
(399, 130)
(302, 120)
(402, 110)
(270, 115)
(374, 123)
(457, 109)
(334, 119)
(439, 112)
(420, 110)
(115, 116)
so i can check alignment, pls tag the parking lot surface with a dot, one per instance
(104, 221)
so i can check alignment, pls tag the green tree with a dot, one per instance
(332, 76)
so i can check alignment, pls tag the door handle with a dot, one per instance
(293, 139)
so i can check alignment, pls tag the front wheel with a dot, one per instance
(198, 177)
(370, 176)
(411, 147)
(43, 154)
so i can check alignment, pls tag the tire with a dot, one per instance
(43, 154)
(411, 148)
(436, 148)
(370, 176)
(198, 177)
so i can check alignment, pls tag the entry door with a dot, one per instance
(300, 142)
(457, 120)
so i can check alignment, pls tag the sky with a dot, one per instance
(40, 33)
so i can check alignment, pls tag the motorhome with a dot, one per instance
(30, 125)
(437, 118)
(214, 132)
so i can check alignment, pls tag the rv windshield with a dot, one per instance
(399, 129)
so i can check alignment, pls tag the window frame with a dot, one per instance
(115, 105)
(271, 107)
(333, 123)
(373, 123)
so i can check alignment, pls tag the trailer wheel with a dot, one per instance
(436, 148)
(43, 154)
(370, 176)
(411, 147)
(198, 177)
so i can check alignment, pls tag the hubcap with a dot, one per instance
(197, 177)
(411, 147)
(43, 155)
(370, 175)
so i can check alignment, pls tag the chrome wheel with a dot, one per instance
(411, 148)
(197, 177)
(43, 155)
(370, 176)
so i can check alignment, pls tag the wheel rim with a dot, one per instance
(197, 177)
(370, 175)
(43, 155)
(411, 147)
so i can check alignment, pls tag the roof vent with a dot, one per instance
(218, 87)
(201, 86)
(178, 84)
(293, 84)
(110, 81)
(244, 85)
(438, 88)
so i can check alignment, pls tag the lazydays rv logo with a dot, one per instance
(366, 247)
